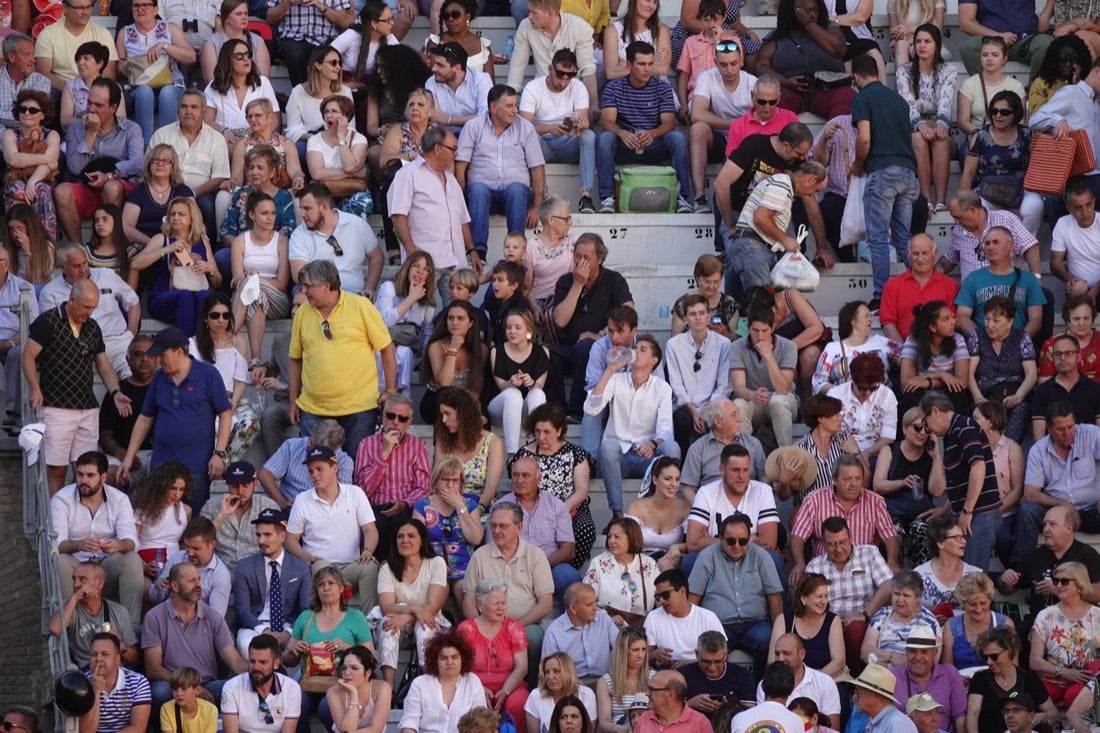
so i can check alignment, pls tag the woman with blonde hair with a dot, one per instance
(402, 142)
(304, 116)
(146, 207)
(1066, 636)
(520, 367)
(557, 679)
(628, 677)
(452, 521)
(974, 592)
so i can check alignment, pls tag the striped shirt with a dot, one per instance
(852, 587)
(115, 705)
(868, 520)
(964, 443)
(498, 160)
(405, 476)
(638, 109)
(775, 193)
(824, 463)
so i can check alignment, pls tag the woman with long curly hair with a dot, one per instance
(934, 357)
(447, 690)
(1066, 62)
(459, 433)
(161, 512)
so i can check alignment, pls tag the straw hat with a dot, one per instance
(879, 680)
(780, 456)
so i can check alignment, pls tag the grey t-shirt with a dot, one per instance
(745, 358)
(83, 626)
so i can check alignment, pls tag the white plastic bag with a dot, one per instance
(853, 227)
(795, 271)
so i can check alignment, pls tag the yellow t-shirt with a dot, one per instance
(597, 15)
(339, 377)
(57, 43)
(205, 721)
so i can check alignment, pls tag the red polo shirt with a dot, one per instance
(902, 292)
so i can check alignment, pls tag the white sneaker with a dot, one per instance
(607, 206)
(683, 206)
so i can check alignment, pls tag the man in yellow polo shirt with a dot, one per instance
(333, 372)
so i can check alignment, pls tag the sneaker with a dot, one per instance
(586, 206)
(701, 205)
(607, 206)
(874, 304)
(683, 206)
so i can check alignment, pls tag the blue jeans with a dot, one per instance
(887, 211)
(579, 148)
(1029, 521)
(145, 100)
(357, 426)
(514, 199)
(983, 535)
(616, 465)
(519, 12)
(748, 261)
(564, 576)
(592, 431)
(569, 360)
(752, 637)
(672, 146)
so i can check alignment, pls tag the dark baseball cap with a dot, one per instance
(240, 472)
(168, 338)
(1022, 699)
(320, 453)
(271, 516)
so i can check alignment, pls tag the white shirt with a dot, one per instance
(241, 699)
(206, 158)
(711, 381)
(217, 581)
(637, 415)
(303, 112)
(815, 685)
(265, 613)
(1074, 103)
(425, 710)
(770, 716)
(543, 707)
(681, 635)
(549, 107)
(228, 113)
(1082, 247)
(113, 294)
(712, 505)
(724, 103)
(73, 520)
(355, 239)
(331, 531)
(867, 421)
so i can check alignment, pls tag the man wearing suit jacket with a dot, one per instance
(252, 583)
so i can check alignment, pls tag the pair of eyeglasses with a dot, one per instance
(566, 219)
(24, 110)
(630, 584)
(398, 418)
(565, 74)
(662, 595)
(219, 315)
(1001, 112)
(162, 161)
(734, 541)
(269, 719)
(1064, 354)
(326, 330)
(453, 15)
(726, 46)
(698, 356)
(335, 245)
(956, 537)
(768, 102)
(241, 55)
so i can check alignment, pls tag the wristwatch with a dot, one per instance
(221, 454)
(113, 392)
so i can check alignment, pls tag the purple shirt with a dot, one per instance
(547, 524)
(945, 686)
(193, 644)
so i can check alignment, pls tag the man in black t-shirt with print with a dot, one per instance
(114, 430)
(756, 158)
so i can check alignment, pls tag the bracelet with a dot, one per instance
(448, 120)
(450, 353)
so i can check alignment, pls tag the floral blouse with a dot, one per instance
(1001, 160)
(1069, 643)
(1088, 361)
(629, 589)
(934, 97)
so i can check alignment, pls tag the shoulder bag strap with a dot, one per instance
(985, 97)
(179, 718)
(1015, 284)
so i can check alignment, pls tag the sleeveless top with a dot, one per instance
(536, 364)
(261, 258)
(618, 709)
(365, 714)
(475, 472)
(802, 57)
(655, 542)
(817, 647)
(963, 650)
(645, 35)
(136, 43)
(901, 503)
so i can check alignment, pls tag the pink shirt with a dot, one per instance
(436, 210)
(746, 125)
(406, 476)
(868, 520)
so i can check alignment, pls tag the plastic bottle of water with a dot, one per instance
(509, 47)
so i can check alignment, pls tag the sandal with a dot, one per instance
(941, 208)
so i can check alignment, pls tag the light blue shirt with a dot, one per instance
(735, 590)
(1073, 479)
(597, 362)
(891, 720)
(589, 646)
(9, 295)
(1076, 104)
(471, 97)
(288, 467)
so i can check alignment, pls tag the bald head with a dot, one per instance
(922, 254)
(790, 650)
(82, 301)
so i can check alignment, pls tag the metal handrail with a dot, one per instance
(38, 529)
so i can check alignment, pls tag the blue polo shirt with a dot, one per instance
(183, 415)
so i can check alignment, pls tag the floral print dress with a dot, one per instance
(1068, 643)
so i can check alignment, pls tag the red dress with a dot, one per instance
(494, 661)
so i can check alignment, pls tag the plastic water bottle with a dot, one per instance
(617, 354)
(104, 7)
(509, 47)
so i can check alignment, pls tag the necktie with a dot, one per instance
(275, 589)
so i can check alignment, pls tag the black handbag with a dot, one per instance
(1004, 191)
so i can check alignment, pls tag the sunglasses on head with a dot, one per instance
(726, 46)
(398, 418)
(734, 541)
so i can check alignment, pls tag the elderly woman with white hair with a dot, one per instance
(500, 649)
(550, 252)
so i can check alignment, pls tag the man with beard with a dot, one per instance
(95, 521)
(261, 700)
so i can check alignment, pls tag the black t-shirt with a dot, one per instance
(1041, 561)
(758, 159)
(990, 717)
(1085, 398)
(735, 684)
(609, 290)
(121, 427)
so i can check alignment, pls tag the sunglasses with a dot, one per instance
(662, 595)
(242, 55)
(331, 62)
(767, 102)
(735, 541)
(269, 719)
(326, 330)
(991, 656)
(565, 74)
(697, 366)
(398, 418)
(1061, 581)
(28, 110)
(218, 315)
(630, 584)
(919, 427)
(726, 46)
(1000, 112)
(453, 15)
(335, 245)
